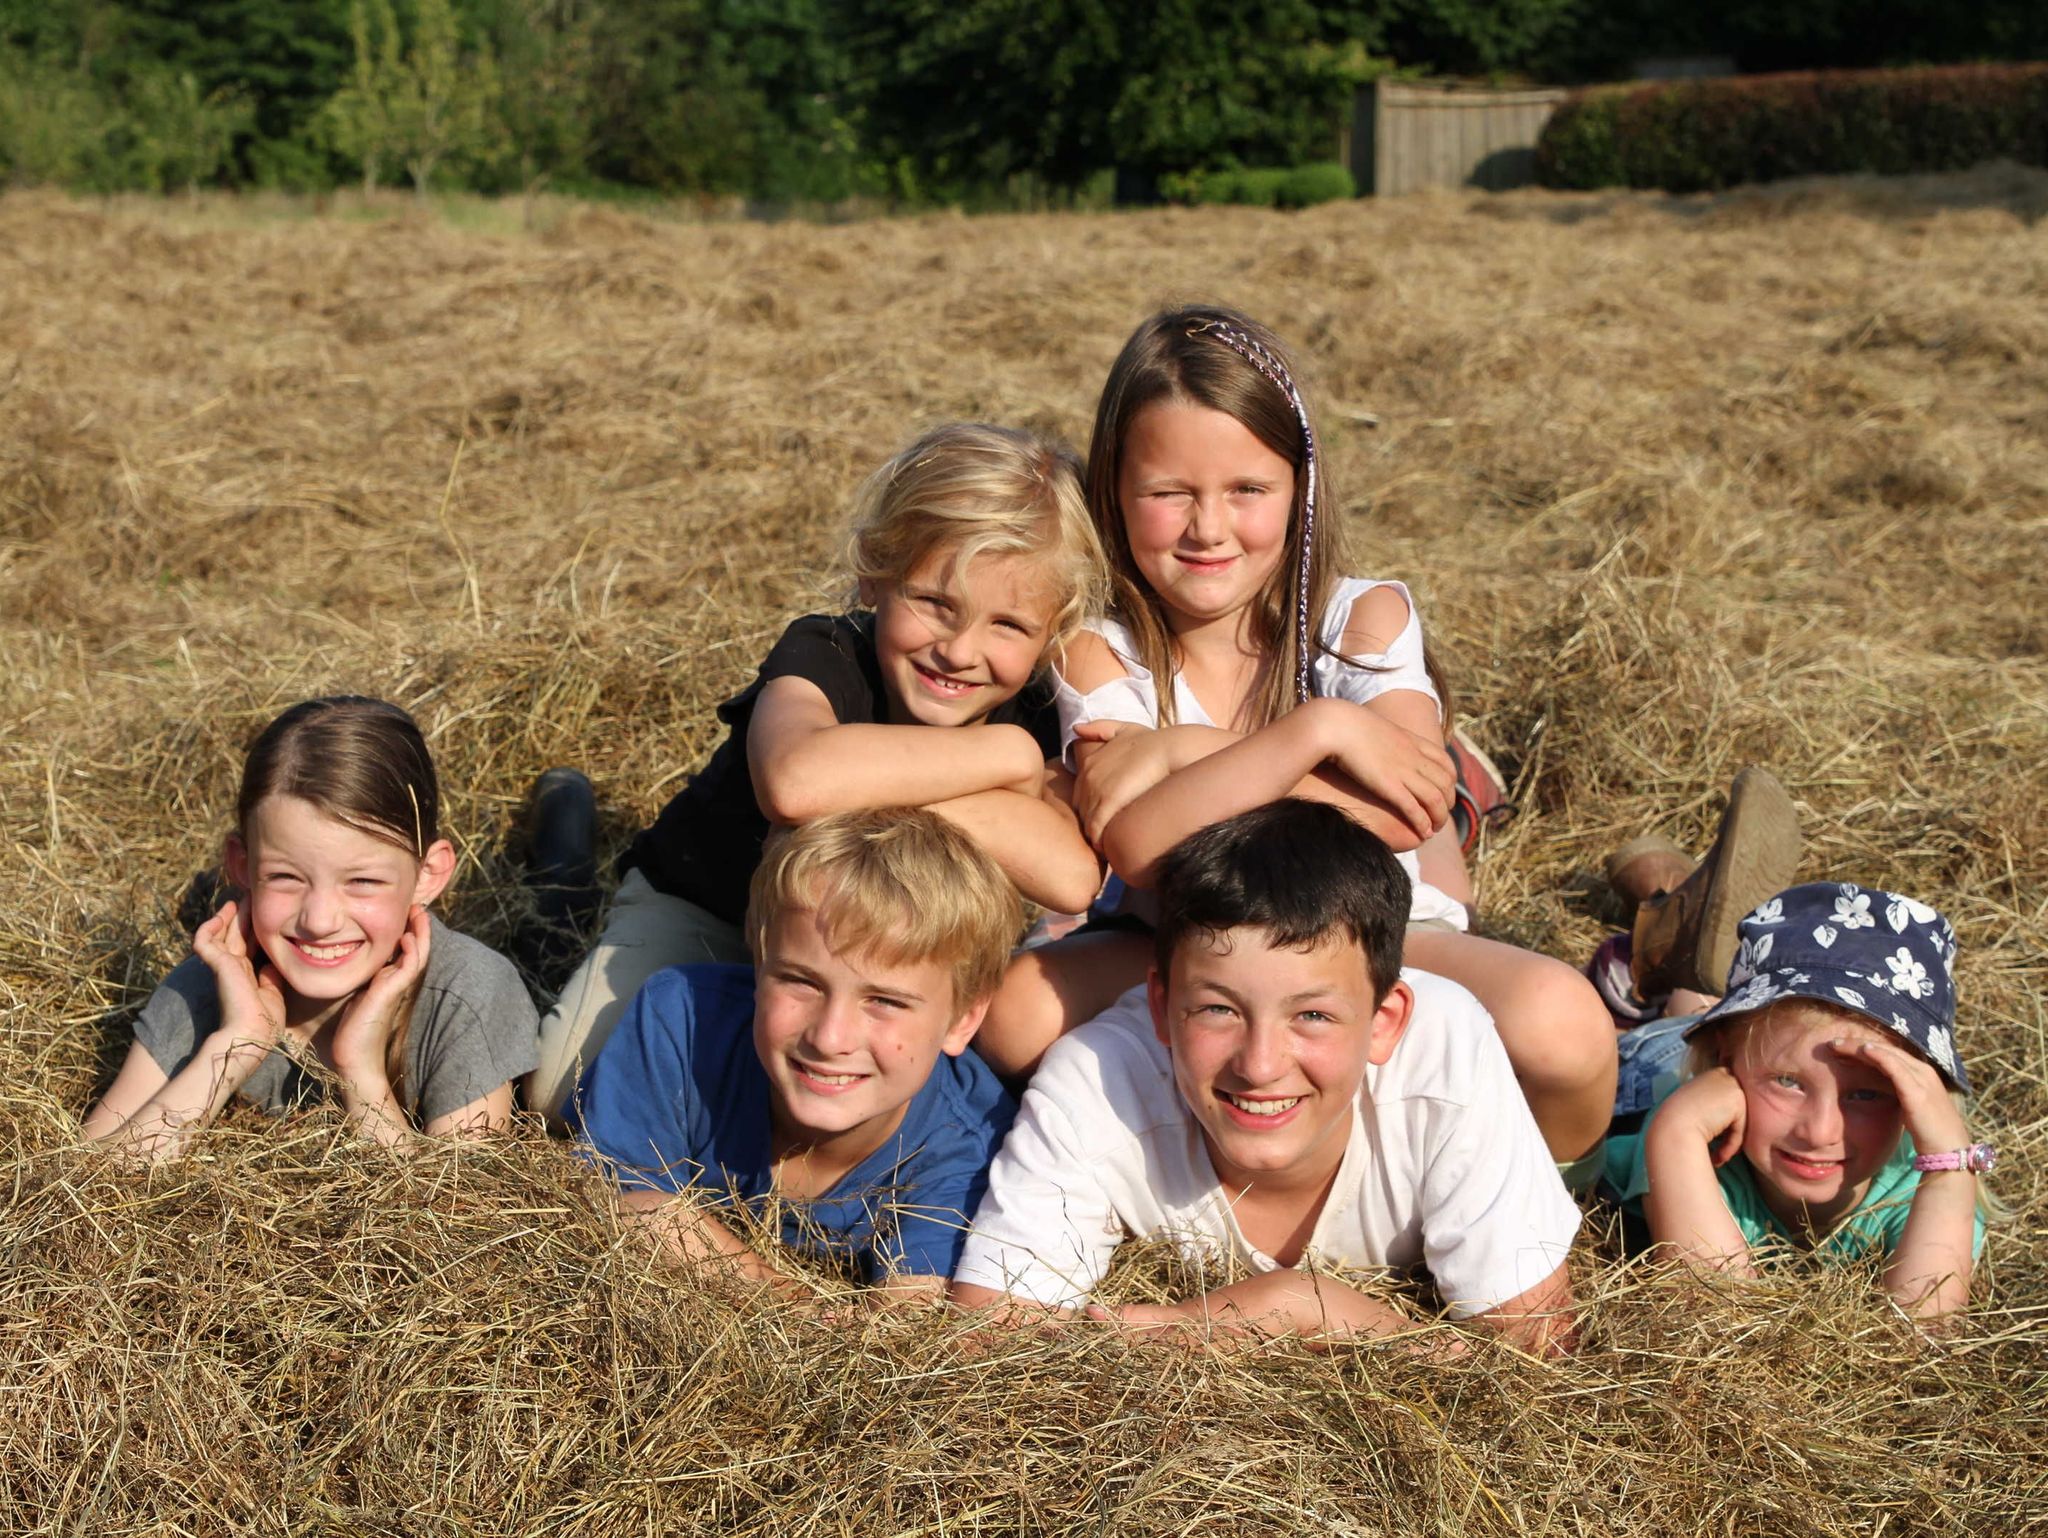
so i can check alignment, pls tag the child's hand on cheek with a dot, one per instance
(366, 1024)
(1711, 1104)
(251, 1002)
(1931, 1118)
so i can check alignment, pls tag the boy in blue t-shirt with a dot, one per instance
(833, 1076)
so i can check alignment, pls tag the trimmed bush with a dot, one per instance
(1324, 182)
(1262, 186)
(1703, 135)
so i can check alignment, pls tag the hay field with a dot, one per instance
(1681, 485)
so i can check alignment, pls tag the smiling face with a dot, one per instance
(848, 1040)
(327, 901)
(1206, 507)
(1270, 1046)
(955, 640)
(1818, 1126)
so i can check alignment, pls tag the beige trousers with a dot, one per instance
(644, 932)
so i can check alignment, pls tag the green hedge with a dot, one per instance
(1699, 136)
(1263, 186)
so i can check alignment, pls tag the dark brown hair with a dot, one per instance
(1167, 359)
(1300, 871)
(362, 762)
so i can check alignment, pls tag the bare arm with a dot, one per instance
(1541, 1320)
(679, 1228)
(491, 1113)
(1274, 1303)
(150, 1115)
(153, 1121)
(1037, 842)
(806, 763)
(1307, 752)
(1929, 1272)
(1687, 1214)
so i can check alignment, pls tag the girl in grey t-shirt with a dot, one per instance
(327, 955)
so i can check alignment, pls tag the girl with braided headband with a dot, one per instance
(1241, 665)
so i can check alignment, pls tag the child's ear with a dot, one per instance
(962, 1030)
(1155, 996)
(1389, 1024)
(234, 861)
(437, 868)
(869, 592)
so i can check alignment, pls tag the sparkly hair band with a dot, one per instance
(1263, 360)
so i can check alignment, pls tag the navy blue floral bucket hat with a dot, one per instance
(1885, 956)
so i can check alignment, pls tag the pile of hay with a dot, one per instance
(1681, 484)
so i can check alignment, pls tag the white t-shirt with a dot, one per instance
(1444, 1166)
(1135, 698)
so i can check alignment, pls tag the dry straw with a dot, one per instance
(1681, 485)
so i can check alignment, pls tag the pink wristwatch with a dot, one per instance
(1978, 1156)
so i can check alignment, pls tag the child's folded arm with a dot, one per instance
(1929, 1272)
(1037, 842)
(806, 763)
(151, 1115)
(681, 1228)
(1542, 1319)
(1284, 1301)
(149, 1111)
(1291, 757)
(1684, 1206)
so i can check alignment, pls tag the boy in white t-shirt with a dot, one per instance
(1281, 1093)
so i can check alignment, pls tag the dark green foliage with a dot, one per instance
(1263, 186)
(1479, 37)
(1323, 182)
(989, 88)
(971, 102)
(1703, 135)
(1603, 36)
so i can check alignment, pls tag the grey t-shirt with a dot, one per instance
(473, 1028)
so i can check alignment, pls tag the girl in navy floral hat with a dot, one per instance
(1820, 1108)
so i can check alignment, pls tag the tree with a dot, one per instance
(443, 107)
(360, 117)
(179, 136)
(544, 51)
(421, 102)
(988, 88)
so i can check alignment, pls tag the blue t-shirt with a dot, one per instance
(1876, 1226)
(678, 1098)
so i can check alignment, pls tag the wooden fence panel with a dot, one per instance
(1405, 136)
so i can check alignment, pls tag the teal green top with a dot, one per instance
(1874, 1227)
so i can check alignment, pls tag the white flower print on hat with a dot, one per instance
(1841, 944)
(1900, 909)
(1908, 976)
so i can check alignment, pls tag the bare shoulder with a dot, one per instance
(1088, 662)
(1376, 622)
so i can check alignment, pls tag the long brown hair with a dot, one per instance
(1171, 357)
(362, 762)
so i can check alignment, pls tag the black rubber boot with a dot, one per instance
(561, 870)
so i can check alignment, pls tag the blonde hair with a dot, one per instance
(975, 490)
(1710, 1048)
(898, 883)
